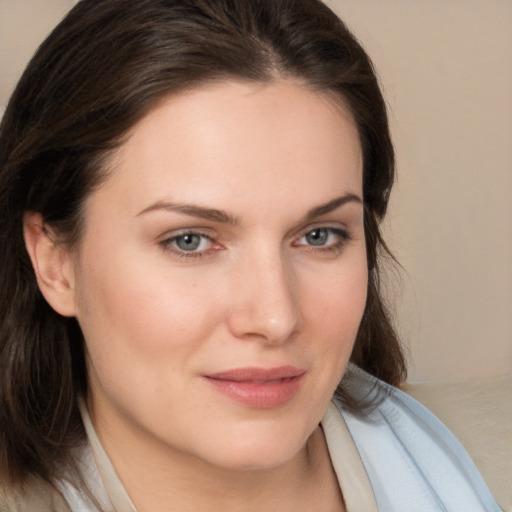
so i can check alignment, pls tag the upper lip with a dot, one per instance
(256, 374)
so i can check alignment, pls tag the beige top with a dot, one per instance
(352, 477)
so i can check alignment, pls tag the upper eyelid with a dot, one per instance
(334, 226)
(176, 233)
(186, 233)
(300, 229)
(332, 229)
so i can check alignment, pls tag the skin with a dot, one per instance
(262, 289)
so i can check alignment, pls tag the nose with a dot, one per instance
(266, 304)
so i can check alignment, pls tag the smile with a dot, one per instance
(258, 387)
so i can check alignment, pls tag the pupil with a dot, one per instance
(188, 242)
(317, 237)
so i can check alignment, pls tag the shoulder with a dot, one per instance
(36, 495)
(411, 458)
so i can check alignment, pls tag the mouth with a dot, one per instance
(260, 388)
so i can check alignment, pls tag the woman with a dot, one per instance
(191, 194)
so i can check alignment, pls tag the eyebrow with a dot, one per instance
(332, 205)
(220, 216)
(211, 214)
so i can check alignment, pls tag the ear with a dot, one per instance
(52, 264)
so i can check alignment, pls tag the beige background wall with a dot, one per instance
(446, 69)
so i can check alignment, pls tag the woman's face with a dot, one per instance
(222, 274)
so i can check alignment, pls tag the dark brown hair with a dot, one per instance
(99, 72)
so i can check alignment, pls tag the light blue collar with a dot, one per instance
(413, 461)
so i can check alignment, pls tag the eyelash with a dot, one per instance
(342, 235)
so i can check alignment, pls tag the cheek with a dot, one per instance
(135, 315)
(336, 307)
(339, 297)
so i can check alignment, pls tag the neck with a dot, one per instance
(170, 480)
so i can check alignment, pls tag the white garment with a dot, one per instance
(394, 457)
(413, 461)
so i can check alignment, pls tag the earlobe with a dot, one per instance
(52, 264)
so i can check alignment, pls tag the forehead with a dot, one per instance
(230, 138)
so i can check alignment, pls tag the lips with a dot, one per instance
(260, 388)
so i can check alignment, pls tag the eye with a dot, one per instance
(324, 238)
(318, 237)
(188, 244)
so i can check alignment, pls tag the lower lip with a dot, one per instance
(259, 395)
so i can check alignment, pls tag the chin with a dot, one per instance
(261, 460)
(263, 449)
